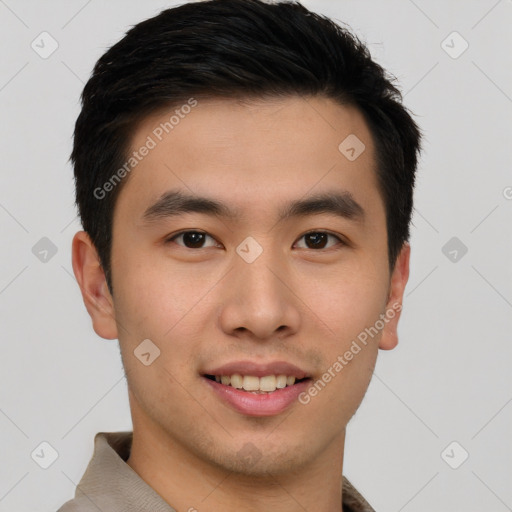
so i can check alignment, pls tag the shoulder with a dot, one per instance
(74, 506)
(353, 501)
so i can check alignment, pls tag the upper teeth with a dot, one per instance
(252, 383)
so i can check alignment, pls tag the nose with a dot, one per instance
(259, 299)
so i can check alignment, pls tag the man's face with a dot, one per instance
(252, 287)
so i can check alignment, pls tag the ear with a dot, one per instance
(399, 277)
(93, 285)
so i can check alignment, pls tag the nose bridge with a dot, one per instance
(259, 301)
(260, 275)
(259, 268)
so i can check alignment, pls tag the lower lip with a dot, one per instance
(264, 404)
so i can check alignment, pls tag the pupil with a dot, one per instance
(317, 239)
(194, 238)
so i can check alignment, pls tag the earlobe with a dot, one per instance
(399, 278)
(93, 286)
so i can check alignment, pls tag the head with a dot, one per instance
(249, 104)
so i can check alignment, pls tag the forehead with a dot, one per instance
(253, 154)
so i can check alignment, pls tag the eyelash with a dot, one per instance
(176, 235)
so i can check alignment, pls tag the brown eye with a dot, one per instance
(318, 239)
(191, 239)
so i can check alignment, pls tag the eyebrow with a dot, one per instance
(176, 202)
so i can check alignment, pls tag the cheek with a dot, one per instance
(153, 304)
(162, 304)
(352, 309)
(348, 301)
(151, 298)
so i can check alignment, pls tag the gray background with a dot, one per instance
(449, 378)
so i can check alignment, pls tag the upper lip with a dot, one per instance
(258, 369)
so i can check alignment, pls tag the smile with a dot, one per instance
(251, 383)
(256, 401)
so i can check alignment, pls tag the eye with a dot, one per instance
(318, 239)
(191, 239)
(195, 239)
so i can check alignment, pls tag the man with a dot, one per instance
(244, 176)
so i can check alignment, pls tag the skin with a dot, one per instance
(208, 306)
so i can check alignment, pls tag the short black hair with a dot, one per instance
(235, 49)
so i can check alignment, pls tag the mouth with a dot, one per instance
(256, 385)
(251, 395)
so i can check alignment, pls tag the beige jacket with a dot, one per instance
(111, 485)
